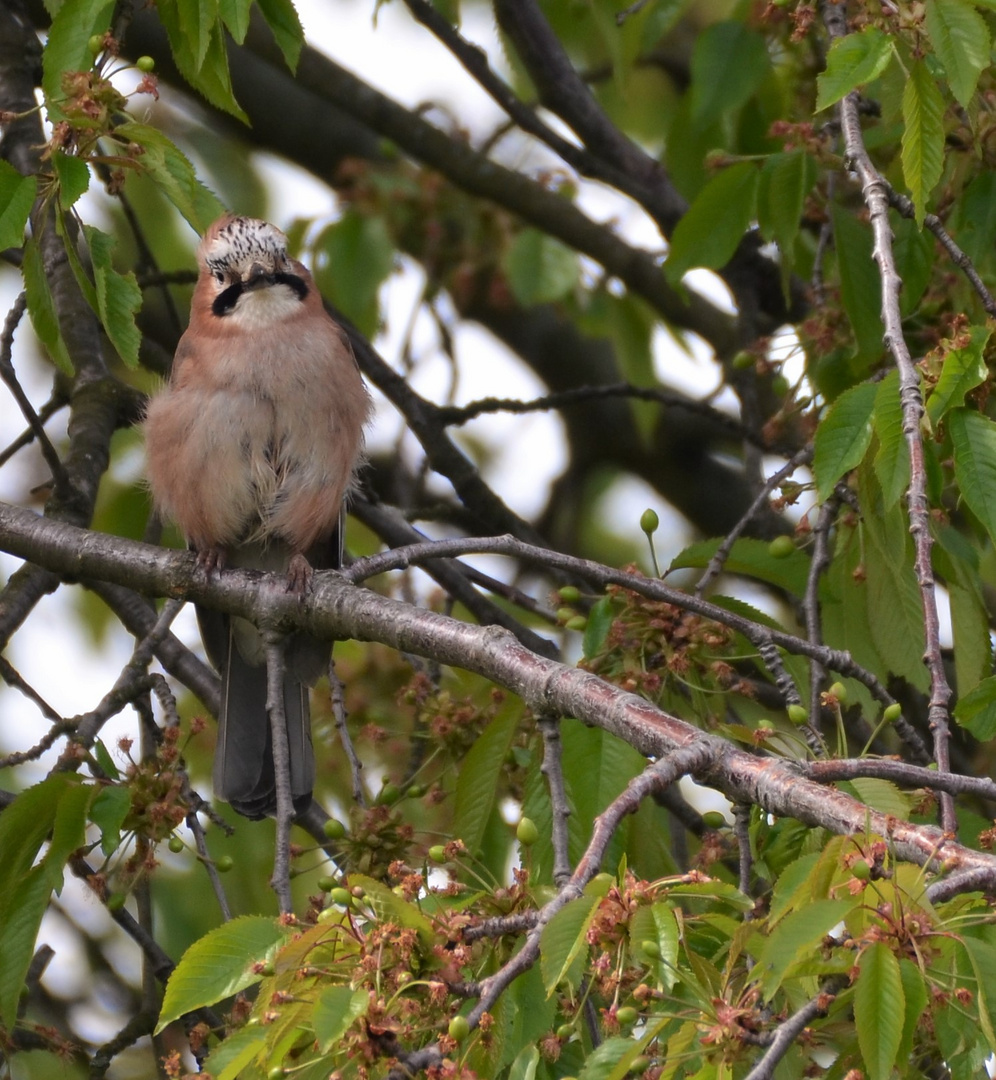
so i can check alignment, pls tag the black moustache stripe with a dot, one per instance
(224, 303)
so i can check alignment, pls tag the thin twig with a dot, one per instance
(26, 438)
(901, 773)
(811, 606)
(193, 823)
(741, 830)
(875, 193)
(552, 769)
(338, 695)
(276, 669)
(787, 1032)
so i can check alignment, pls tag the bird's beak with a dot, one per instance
(258, 277)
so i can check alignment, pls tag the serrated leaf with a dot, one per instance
(963, 370)
(22, 913)
(108, 812)
(923, 136)
(611, 1058)
(853, 61)
(657, 923)
(751, 558)
(335, 1010)
(564, 943)
(196, 19)
(227, 1060)
(715, 223)
(41, 307)
(976, 711)
(786, 179)
(479, 776)
(539, 268)
(118, 297)
(973, 437)
(173, 173)
(105, 761)
(17, 197)
(961, 42)
(794, 938)
(283, 21)
(882, 795)
(916, 994)
(721, 891)
(596, 631)
(892, 459)
(353, 259)
(913, 249)
(235, 15)
(524, 1066)
(982, 957)
(860, 286)
(879, 1009)
(389, 907)
(67, 47)
(219, 964)
(843, 437)
(729, 60)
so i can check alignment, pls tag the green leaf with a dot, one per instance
(657, 923)
(882, 795)
(335, 1010)
(751, 558)
(235, 15)
(17, 197)
(973, 437)
(479, 776)
(852, 61)
(539, 268)
(715, 223)
(914, 254)
(196, 19)
(524, 1066)
(389, 907)
(41, 307)
(282, 19)
(961, 42)
(963, 369)
(892, 459)
(860, 287)
(879, 1009)
(923, 136)
(729, 60)
(843, 437)
(67, 47)
(611, 1058)
(596, 631)
(564, 943)
(786, 180)
(220, 964)
(916, 996)
(353, 258)
(794, 938)
(108, 812)
(173, 173)
(982, 957)
(228, 1059)
(976, 711)
(118, 297)
(22, 911)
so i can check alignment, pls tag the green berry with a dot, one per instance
(781, 547)
(839, 691)
(327, 883)
(626, 1015)
(115, 902)
(459, 1028)
(570, 594)
(95, 44)
(861, 870)
(639, 1065)
(526, 832)
(415, 791)
(175, 845)
(268, 968)
(437, 853)
(743, 360)
(797, 715)
(579, 622)
(145, 63)
(224, 863)
(565, 1031)
(713, 819)
(651, 948)
(334, 829)
(649, 522)
(276, 1072)
(388, 795)
(341, 896)
(892, 713)
(600, 884)
(779, 386)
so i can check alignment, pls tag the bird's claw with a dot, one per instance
(299, 575)
(212, 559)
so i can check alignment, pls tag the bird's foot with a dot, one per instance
(212, 559)
(299, 575)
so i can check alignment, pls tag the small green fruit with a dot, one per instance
(176, 845)
(743, 361)
(116, 901)
(579, 622)
(224, 863)
(839, 691)
(388, 795)
(145, 63)
(570, 594)
(565, 1031)
(276, 1072)
(415, 791)
(713, 819)
(268, 968)
(341, 896)
(649, 521)
(600, 884)
(892, 713)
(651, 948)
(797, 715)
(437, 853)
(639, 1065)
(334, 829)
(780, 386)
(327, 883)
(626, 1015)
(781, 547)
(95, 44)
(565, 614)
(459, 1028)
(526, 832)
(861, 870)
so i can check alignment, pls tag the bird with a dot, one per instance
(251, 447)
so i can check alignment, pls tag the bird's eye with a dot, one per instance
(219, 276)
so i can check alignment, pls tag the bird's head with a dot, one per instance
(247, 275)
